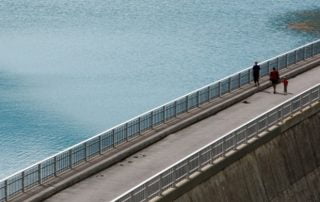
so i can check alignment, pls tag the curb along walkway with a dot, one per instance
(124, 175)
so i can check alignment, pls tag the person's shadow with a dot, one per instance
(270, 92)
(284, 93)
(265, 91)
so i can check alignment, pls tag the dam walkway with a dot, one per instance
(108, 164)
(110, 183)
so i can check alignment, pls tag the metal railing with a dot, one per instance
(155, 185)
(64, 161)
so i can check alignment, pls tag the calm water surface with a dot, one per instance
(72, 68)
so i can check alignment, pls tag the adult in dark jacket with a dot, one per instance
(256, 73)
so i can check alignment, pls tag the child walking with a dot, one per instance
(285, 85)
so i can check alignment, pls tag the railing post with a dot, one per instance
(6, 193)
(139, 125)
(312, 49)
(188, 168)
(281, 113)
(249, 76)
(164, 113)
(246, 134)
(295, 56)
(287, 62)
(100, 144)
(22, 181)
(132, 196)
(256, 127)
(174, 176)
(219, 88)
(235, 142)
(175, 108)
(300, 102)
(229, 84)
(70, 158)
(39, 174)
(187, 103)
(209, 93)
(309, 98)
(113, 138)
(304, 53)
(212, 154)
(239, 80)
(160, 185)
(151, 119)
(55, 166)
(199, 161)
(267, 120)
(223, 147)
(146, 188)
(126, 131)
(198, 98)
(269, 67)
(86, 151)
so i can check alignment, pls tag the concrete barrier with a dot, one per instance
(282, 165)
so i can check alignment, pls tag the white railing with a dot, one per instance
(169, 177)
(71, 157)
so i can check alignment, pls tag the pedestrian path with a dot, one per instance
(114, 181)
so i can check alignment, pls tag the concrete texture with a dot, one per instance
(280, 166)
(178, 139)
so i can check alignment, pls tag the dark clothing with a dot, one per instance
(274, 82)
(274, 76)
(256, 72)
(285, 85)
(256, 69)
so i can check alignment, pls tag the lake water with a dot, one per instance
(70, 69)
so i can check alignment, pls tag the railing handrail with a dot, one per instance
(218, 139)
(215, 84)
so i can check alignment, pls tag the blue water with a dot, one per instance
(70, 69)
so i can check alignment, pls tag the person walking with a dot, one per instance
(274, 78)
(285, 85)
(256, 73)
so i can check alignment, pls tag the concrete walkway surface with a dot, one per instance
(112, 182)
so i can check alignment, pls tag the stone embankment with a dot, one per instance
(282, 165)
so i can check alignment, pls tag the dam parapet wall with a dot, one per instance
(282, 165)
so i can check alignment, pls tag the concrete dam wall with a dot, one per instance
(282, 165)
